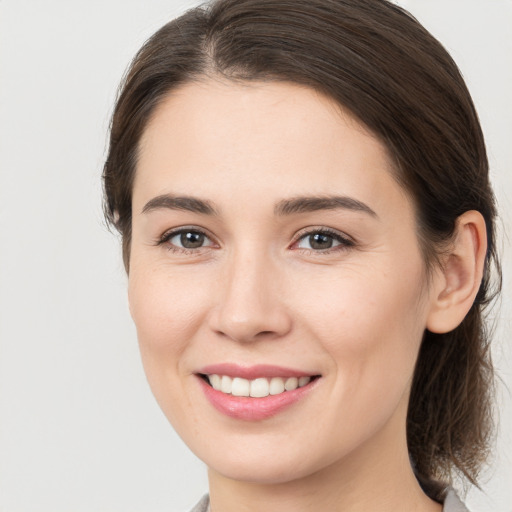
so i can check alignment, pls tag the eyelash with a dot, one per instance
(169, 235)
(345, 242)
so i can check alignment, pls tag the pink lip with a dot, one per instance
(247, 408)
(252, 372)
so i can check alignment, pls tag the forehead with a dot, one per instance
(269, 139)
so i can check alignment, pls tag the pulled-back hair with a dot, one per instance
(379, 63)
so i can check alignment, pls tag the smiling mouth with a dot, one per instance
(256, 388)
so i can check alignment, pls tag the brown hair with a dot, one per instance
(378, 62)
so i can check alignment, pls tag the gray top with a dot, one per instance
(452, 503)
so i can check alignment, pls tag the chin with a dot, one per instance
(259, 472)
(262, 464)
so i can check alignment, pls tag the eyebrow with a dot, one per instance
(284, 207)
(311, 204)
(189, 204)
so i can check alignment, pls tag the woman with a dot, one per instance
(308, 228)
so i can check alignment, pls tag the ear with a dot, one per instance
(457, 281)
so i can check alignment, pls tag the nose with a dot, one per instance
(250, 303)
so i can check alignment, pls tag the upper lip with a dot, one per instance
(254, 371)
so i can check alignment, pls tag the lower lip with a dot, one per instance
(254, 409)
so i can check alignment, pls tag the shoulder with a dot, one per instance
(202, 505)
(452, 503)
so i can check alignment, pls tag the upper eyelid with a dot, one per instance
(322, 229)
(172, 232)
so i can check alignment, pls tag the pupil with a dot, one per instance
(192, 239)
(320, 241)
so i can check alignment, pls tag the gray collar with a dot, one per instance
(452, 503)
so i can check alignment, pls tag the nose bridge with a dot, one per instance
(250, 305)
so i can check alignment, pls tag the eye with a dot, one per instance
(323, 240)
(185, 239)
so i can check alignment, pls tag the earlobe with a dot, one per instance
(457, 282)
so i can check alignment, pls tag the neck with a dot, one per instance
(377, 476)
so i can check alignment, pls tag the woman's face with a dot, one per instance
(273, 248)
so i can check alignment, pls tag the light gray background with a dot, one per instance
(79, 429)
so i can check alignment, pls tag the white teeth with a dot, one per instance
(303, 381)
(215, 382)
(240, 387)
(225, 384)
(276, 386)
(291, 383)
(257, 388)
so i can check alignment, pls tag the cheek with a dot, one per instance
(371, 328)
(360, 306)
(167, 315)
(371, 325)
(163, 308)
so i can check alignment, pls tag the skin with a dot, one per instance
(257, 293)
